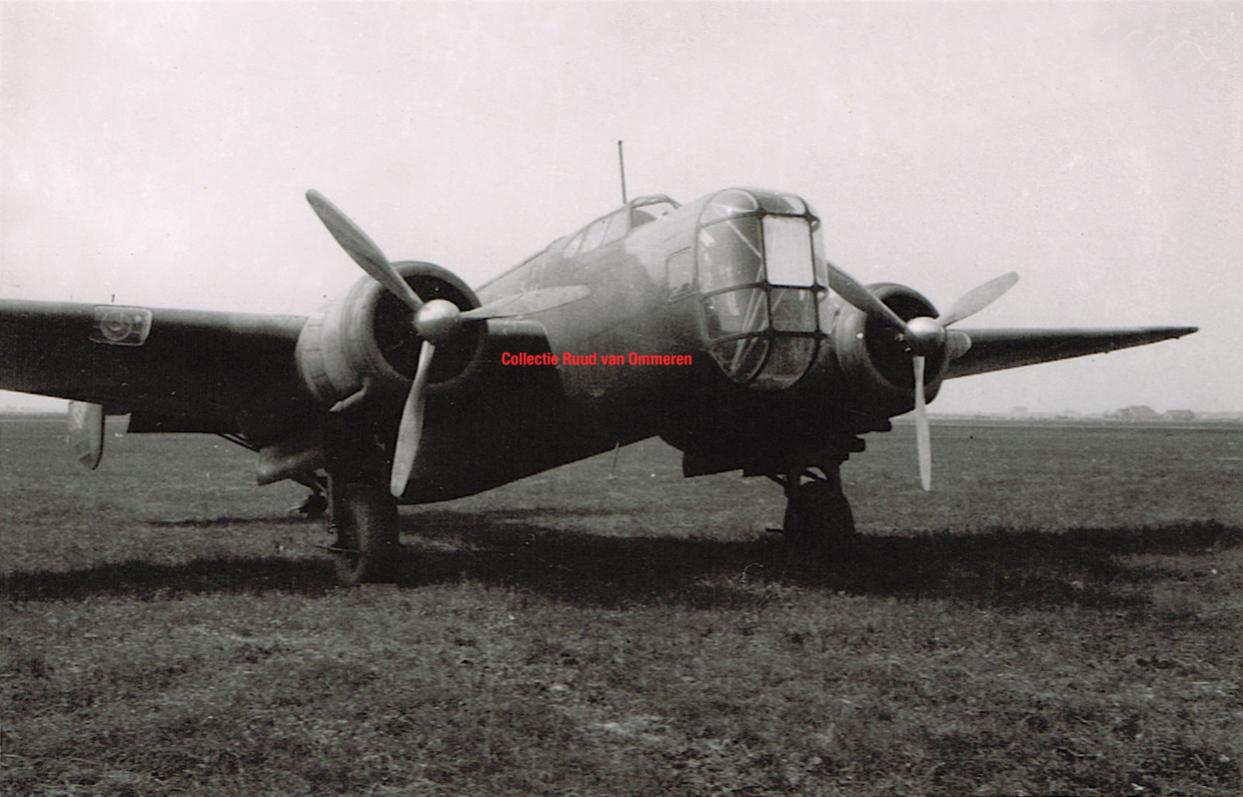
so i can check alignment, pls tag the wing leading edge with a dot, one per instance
(182, 370)
(999, 349)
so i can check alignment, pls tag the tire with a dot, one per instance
(365, 520)
(819, 526)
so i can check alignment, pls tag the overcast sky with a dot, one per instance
(160, 153)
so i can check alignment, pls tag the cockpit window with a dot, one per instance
(600, 232)
(619, 225)
(594, 235)
(651, 211)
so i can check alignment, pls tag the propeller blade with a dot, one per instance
(923, 437)
(856, 294)
(975, 300)
(411, 428)
(527, 303)
(362, 249)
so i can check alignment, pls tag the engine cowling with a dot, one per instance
(876, 363)
(364, 343)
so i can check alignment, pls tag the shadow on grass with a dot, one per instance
(153, 581)
(1000, 568)
(285, 519)
(291, 518)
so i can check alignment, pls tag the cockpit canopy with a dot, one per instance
(763, 279)
(605, 230)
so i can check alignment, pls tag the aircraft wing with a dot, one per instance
(998, 349)
(175, 370)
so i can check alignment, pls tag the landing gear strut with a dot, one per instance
(316, 503)
(819, 525)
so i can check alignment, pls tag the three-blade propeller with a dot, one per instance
(923, 337)
(436, 321)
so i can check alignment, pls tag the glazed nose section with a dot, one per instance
(760, 271)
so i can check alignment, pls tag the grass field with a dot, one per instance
(1063, 615)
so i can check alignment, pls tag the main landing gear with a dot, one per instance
(361, 512)
(819, 525)
(364, 517)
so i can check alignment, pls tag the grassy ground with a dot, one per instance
(1062, 615)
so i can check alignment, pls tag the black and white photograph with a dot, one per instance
(619, 399)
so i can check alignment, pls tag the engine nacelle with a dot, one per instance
(875, 362)
(366, 340)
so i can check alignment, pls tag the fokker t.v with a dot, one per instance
(740, 344)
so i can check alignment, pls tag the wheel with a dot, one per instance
(364, 517)
(819, 525)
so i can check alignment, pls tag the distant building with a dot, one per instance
(1019, 412)
(1180, 415)
(1136, 412)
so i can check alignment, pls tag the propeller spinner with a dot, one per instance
(436, 321)
(923, 337)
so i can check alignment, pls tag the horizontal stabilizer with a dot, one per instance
(999, 349)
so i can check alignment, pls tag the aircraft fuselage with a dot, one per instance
(744, 339)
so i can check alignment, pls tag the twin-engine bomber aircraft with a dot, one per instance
(739, 344)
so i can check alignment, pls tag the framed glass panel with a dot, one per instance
(593, 236)
(618, 226)
(786, 204)
(741, 358)
(793, 309)
(820, 259)
(788, 360)
(728, 204)
(827, 312)
(571, 248)
(735, 312)
(650, 212)
(730, 254)
(787, 247)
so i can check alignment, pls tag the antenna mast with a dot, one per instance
(621, 163)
